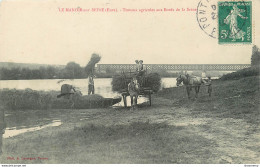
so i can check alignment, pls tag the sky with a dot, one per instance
(36, 31)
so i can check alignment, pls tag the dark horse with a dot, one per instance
(190, 82)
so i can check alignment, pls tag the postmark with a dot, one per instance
(207, 14)
(235, 22)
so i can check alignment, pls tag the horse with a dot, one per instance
(133, 90)
(189, 82)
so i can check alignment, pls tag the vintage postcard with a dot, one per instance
(129, 82)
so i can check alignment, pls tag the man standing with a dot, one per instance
(141, 67)
(137, 65)
(91, 88)
(141, 72)
(2, 128)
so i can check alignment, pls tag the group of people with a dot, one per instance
(134, 85)
(139, 67)
(67, 90)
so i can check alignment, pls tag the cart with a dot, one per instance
(144, 91)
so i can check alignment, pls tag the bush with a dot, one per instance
(252, 71)
(255, 59)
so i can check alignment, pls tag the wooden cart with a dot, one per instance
(144, 91)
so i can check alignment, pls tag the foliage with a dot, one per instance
(255, 59)
(252, 71)
(73, 70)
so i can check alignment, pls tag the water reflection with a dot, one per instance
(11, 132)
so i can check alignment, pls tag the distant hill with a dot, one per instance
(10, 65)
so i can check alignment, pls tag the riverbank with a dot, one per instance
(220, 129)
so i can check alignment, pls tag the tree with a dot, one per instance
(73, 70)
(255, 59)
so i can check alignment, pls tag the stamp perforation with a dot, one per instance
(229, 37)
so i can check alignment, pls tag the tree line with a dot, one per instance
(71, 71)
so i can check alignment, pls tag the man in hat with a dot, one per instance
(141, 72)
(66, 91)
(133, 90)
(91, 88)
(141, 66)
(137, 65)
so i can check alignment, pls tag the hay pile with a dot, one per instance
(13, 99)
(80, 102)
(95, 58)
(120, 83)
(151, 80)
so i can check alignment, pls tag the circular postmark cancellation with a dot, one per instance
(207, 17)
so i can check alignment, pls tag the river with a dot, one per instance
(28, 121)
(102, 85)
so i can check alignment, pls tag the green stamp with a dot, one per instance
(235, 22)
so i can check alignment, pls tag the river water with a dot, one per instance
(28, 121)
(102, 85)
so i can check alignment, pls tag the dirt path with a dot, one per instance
(189, 137)
(235, 140)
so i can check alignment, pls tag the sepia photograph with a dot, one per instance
(129, 82)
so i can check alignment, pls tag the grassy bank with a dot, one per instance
(12, 99)
(137, 142)
(223, 128)
(230, 98)
(247, 72)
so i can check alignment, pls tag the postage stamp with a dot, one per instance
(235, 22)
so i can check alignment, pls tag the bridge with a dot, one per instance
(173, 67)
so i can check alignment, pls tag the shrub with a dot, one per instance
(252, 71)
(255, 59)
